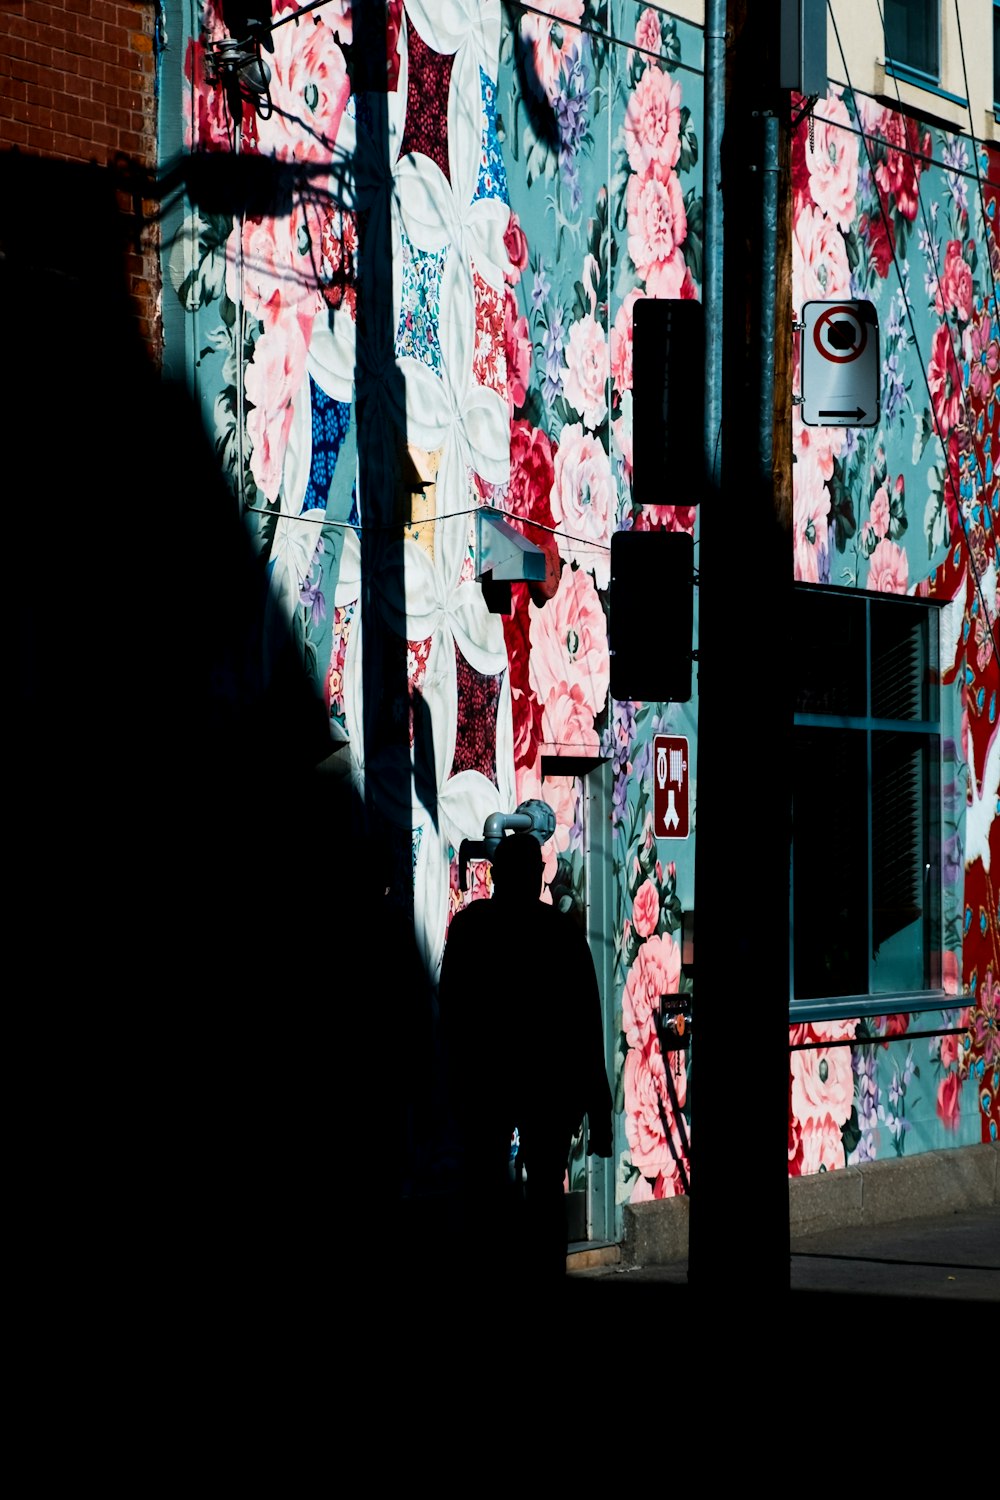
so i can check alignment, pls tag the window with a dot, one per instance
(913, 37)
(866, 796)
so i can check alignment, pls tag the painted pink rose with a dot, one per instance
(568, 722)
(888, 569)
(207, 126)
(309, 88)
(949, 1098)
(831, 147)
(817, 447)
(880, 512)
(583, 501)
(562, 793)
(621, 343)
(653, 121)
(655, 971)
(822, 1084)
(950, 976)
(647, 30)
(810, 510)
(585, 374)
(821, 1147)
(669, 1184)
(279, 274)
(657, 228)
(642, 1190)
(338, 269)
(949, 1051)
(552, 40)
(515, 242)
(944, 380)
(569, 641)
(645, 1090)
(954, 292)
(621, 430)
(517, 344)
(820, 268)
(273, 378)
(665, 518)
(646, 909)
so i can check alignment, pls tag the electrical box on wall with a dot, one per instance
(802, 47)
(651, 615)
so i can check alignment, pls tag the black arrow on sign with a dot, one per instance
(857, 412)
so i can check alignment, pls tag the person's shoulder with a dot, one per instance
(468, 918)
(562, 924)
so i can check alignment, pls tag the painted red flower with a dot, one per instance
(944, 381)
(526, 710)
(906, 155)
(879, 236)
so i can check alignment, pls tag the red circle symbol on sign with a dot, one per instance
(840, 335)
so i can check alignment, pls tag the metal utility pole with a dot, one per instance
(739, 1084)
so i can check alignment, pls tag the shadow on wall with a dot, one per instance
(165, 809)
(144, 733)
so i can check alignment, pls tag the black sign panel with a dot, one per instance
(651, 615)
(668, 402)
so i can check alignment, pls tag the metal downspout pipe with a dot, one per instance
(766, 313)
(715, 110)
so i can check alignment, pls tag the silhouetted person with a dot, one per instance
(521, 1015)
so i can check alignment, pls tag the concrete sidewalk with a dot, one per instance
(951, 1256)
(928, 1226)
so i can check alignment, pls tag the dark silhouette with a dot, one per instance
(521, 1018)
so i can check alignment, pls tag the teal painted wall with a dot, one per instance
(527, 187)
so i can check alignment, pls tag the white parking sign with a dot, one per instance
(840, 364)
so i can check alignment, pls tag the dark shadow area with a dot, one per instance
(178, 1055)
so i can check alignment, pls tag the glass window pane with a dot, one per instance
(911, 34)
(903, 685)
(830, 863)
(829, 654)
(904, 886)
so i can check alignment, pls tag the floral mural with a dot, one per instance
(530, 177)
(608, 206)
(903, 215)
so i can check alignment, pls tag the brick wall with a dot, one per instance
(78, 85)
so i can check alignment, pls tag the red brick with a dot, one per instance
(15, 48)
(30, 113)
(89, 110)
(87, 26)
(25, 28)
(66, 147)
(23, 69)
(80, 46)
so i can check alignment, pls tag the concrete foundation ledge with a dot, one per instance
(905, 1187)
(877, 1192)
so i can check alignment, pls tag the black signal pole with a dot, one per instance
(739, 1079)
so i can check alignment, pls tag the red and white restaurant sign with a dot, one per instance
(671, 818)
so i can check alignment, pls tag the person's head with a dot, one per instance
(517, 867)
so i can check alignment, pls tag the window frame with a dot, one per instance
(930, 729)
(907, 71)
